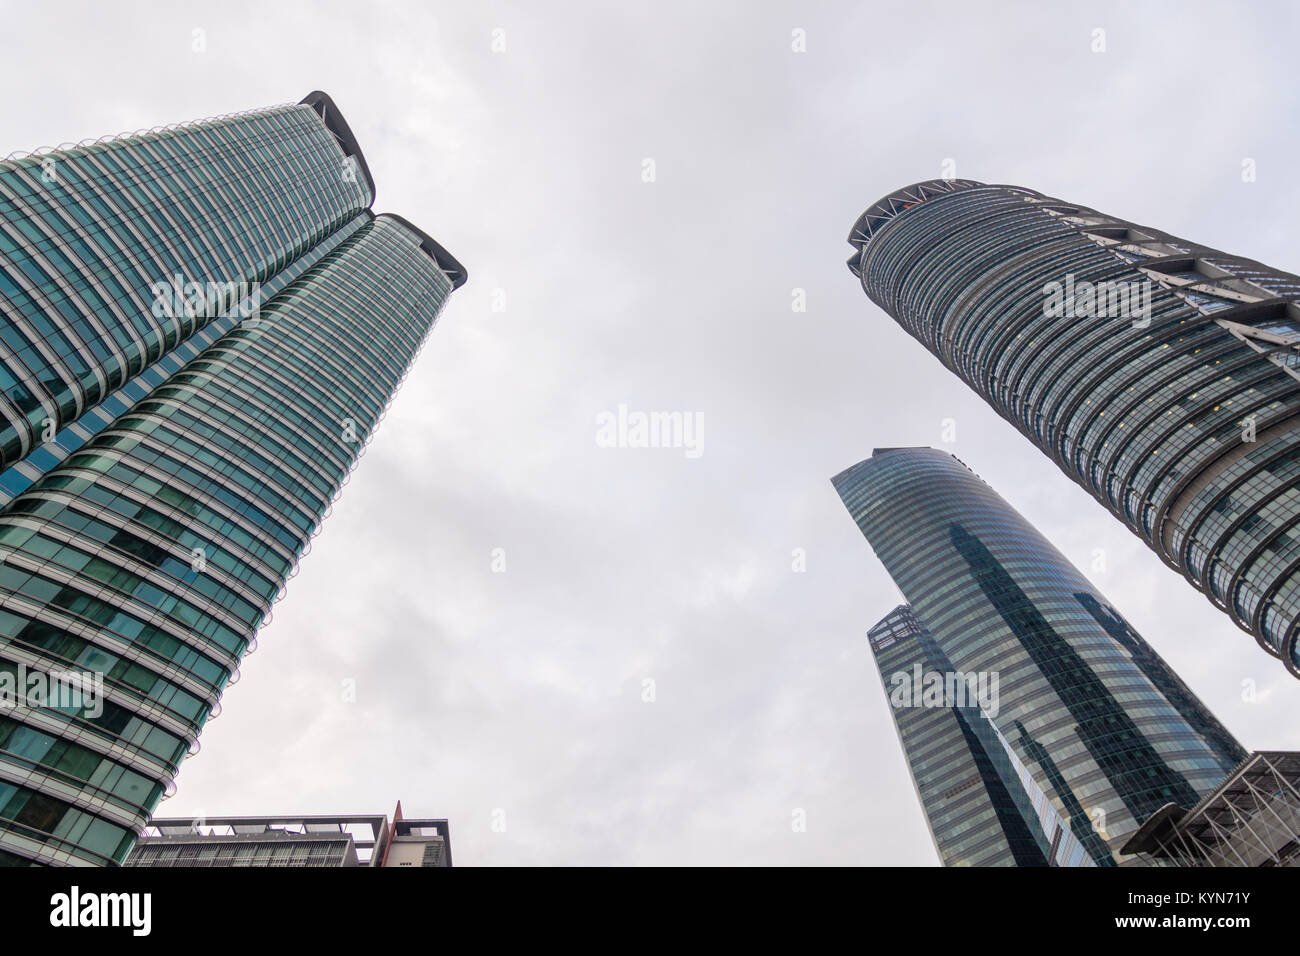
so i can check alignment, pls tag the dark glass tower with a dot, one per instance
(1182, 416)
(166, 467)
(1086, 713)
(981, 803)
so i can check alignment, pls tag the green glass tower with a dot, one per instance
(1086, 720)
(982, 804)
(202, 326)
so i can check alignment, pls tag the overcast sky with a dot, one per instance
(517, 696)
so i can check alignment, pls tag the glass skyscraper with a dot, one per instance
(1088, 732)
(201, 327)
(981, 803)
(1161, 375)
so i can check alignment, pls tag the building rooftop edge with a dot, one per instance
(835, 479)
(448, 263)
(332, 117)
(909, 195)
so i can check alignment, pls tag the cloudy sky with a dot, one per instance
(513, 702)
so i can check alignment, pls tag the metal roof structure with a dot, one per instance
(1251, 819)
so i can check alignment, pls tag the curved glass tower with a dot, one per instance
(183, 457)
(981, 803)
(1162, 376)
(1086, 713)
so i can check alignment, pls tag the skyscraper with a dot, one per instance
(1084, 713)
(202, 325)
(1159, 374)
(981, 803)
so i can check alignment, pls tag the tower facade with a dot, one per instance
(981, 804)
(201, 327)
(1161, 375)
(1083, 713)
